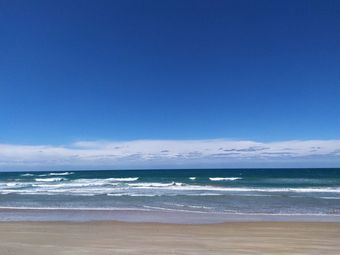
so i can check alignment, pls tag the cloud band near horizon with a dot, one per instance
(170, 154)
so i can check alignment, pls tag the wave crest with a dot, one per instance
(224, 178)
(49, 179)
(64, 173)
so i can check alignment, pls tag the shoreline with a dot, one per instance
(111, 237)
(139, 215)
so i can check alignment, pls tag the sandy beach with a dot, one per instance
(154, 238)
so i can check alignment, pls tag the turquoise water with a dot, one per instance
(230, 191)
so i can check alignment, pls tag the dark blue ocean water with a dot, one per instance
(230, 191)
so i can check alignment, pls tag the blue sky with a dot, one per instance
(125, 71)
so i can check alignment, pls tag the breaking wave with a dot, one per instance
(130, 187)
(224, 178)
(128, 179)
(49, 179)
(26, 175)
(64, 173)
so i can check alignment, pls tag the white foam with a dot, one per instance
(207, 194)
(155, 184)
(128, 187)
(142, 195)
(49, 179)
(172, 209)
(192, 178)
(115, 194)
(181, 186)
(224, 178)
(94, 182)
(64, 173)
(201, 207)
(211, 188)
(155, 208)
(127, 179)
(190, 206)
(75, 208)
(107, 181)
(16, 184)
(25, 175)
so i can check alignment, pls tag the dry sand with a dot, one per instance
(49, 238)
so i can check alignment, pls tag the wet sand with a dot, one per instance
(154, 238)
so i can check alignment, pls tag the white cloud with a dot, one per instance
(168, 153)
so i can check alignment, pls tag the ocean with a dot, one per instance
(210, 192)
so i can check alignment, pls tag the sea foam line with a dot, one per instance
(127, 179)
(110, 185)
(224, 178)
(49, 179)
(26, 175)
(64, 173)
(74, 208)
(155, 208)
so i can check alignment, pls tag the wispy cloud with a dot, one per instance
(169, 153)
